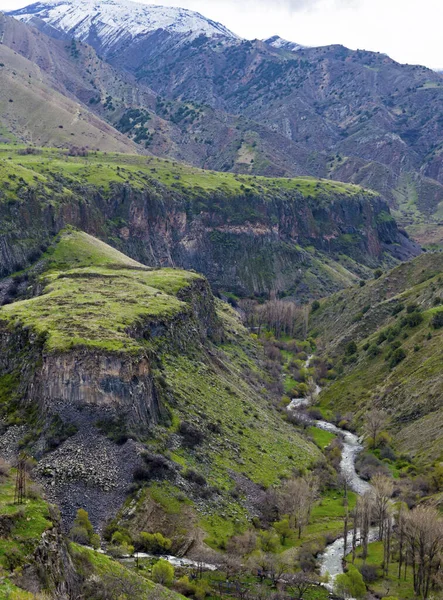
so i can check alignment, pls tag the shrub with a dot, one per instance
(82, 530)
(153, 542)
(373, 351)
(315, 305)
(397, 357)
(437, 320)
(350, 584)
(191, 435)
(369, 573)
(194, 477)
(412, 319)
(351, 348)
(163, 572)
(411, 308)
(156, 466)
(79, 535)
(397, 308)
(95, 541)
(13, 558)
(382, 336)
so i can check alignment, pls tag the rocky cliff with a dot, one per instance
(247, 235)
(115, 375)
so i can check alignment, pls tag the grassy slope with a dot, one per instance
(31, 520)
(96, 302)
(104, 169)
(93, 294)
(32, 108)
(399, 588)
(411, 391)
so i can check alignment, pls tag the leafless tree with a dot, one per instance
(297, 497)
(297, 584)
(376, 420)
(362, 521)
(345, 480)
(424, 537)
(383, 489)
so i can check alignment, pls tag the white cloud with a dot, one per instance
(407, 30)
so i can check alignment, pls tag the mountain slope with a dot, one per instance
(397, 364)
(248, 235)
(116, 24)
(130, 372)
(353, 115)
(32, 110)
(191, 132)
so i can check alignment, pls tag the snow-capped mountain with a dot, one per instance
(277, 42)
(112, 22)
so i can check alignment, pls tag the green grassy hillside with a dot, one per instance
(103, 169)
(25, 530)
(102, 324)
(397, 365)
(95, 304)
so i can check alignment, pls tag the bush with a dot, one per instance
(156, 466)
(351, 348)
(315, 305)
(350, 584)
(194, 477)
(191, 435)
(437, 320)
(397, 357)
(411, 308)
(412, 319)
(369, 573)
(373, 351)
(82, 530)
(163, 572)
(397, 308)
(154, 543)
(79, 535)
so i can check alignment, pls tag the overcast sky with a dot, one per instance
(410, 31)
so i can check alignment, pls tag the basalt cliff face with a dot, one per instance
(263, 235)
(113, 372)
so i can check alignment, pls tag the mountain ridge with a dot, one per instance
(355, 116)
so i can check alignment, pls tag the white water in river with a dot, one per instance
(331, 559)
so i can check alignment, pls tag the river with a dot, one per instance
(331, 559)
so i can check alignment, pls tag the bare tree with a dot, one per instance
(376, 420)
(424, 537)
(297, 584)
(345, 480)
(297, 497)
(362, 520)
(383, 489)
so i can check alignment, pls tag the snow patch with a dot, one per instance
(277, 42)
(115, 20)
